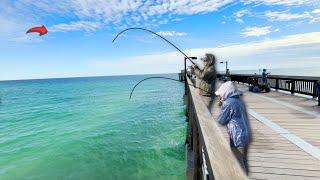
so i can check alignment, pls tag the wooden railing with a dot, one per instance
(208, 152)
(294, 84)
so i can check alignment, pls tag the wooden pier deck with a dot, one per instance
(286, 135)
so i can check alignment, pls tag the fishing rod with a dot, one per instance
(161, 78)
(147, 30)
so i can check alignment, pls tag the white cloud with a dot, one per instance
(92, 15)
(283, 2)
(316, 16)
(288, 51)
(171, 33)
(239, 20)
(76, 26)
(284, 42)
(256, 31)
(115, 11)
(242, 13)
(286, 16)
(8, 26)
(26, 39)
(197, 6)
(177, 19)
(316, 11)
(14, 30)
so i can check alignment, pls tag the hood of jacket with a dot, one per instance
(228, 90)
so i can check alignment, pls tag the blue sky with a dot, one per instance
(250, 34)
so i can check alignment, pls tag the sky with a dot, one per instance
(249, 34)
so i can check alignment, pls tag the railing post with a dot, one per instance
(315, 89)
(293, 86)
(277, 84)
(189, 140)
(185, 76)
(197, 152)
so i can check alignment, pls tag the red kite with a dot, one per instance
(41, 30)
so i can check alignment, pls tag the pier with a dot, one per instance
(285, 133)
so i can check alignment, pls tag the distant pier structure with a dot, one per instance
(285, 131)
(182, 75)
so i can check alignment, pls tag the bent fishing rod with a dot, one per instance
(162, 78)
(147, 30)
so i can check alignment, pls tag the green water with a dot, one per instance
(86, 128)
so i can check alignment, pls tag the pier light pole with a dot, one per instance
(185, 73)
(226, 65)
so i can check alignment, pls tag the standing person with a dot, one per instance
(233, 114)
(264, 76)
(318, 88)
(207, 77)
(228, 75)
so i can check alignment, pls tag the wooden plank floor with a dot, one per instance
(271, 155)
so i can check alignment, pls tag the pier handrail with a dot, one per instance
(294, 84)
(207, 142)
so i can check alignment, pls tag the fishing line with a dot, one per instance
(166, 40)
(147, 30)
(161, 78)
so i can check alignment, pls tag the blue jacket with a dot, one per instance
(233, 114)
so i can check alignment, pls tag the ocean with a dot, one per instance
(87, 128)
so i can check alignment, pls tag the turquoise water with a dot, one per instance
(86, 128)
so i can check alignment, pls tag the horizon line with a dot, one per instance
(73, 77)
